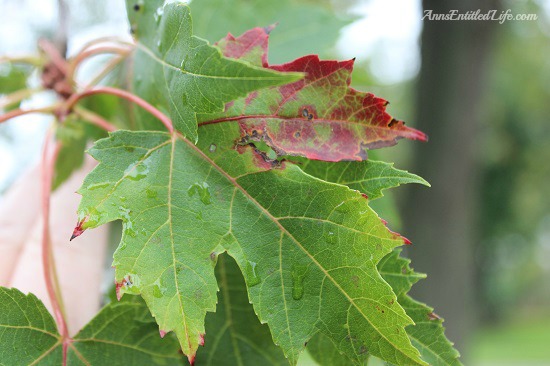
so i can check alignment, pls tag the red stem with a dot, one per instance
(53, 53)
(48, 162)
(126, 95)
(92, 52)
(21, 112)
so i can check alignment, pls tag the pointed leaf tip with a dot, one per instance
(201, 339)
(162, 333)
(191, 359)
(78, 230)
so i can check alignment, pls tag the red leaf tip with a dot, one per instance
(78, 230)
(201, 339)
(191, 359)
(162, 333)
(118, 286)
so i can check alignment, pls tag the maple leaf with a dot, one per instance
(319, 117)
(181, 73)
(428, 333)
(234, 333)
(369, 177)
(115, 336)
(182, 205)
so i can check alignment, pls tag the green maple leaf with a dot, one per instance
(182, 74)
(234, 334)
(181, 205)
(370, 177)
(428, 333)
(121, 333)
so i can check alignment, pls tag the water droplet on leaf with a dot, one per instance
(330, 238)
(298, 275)
(250, 274)
(342, 207)
(136, 172)
(212, 148)
(202, 190)
(97, 186)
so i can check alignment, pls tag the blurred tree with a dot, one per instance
(515, 190)
(452, 79)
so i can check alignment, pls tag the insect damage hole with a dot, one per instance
(306, 114)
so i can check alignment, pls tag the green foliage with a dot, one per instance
(369, 177)
(427, 334)
(182, 74)
(121, 333)
(303, 26)
(298, 256)
(235, 335)
(181, 205)
(12, 78)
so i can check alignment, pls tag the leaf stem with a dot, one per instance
(27, 59)
(21, 112)
(94, 119)
(122, 94)
(106, 70)
(79, 58)
(17, 96)
(49, 156)
(55, 57)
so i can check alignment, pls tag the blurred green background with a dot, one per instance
(479, 89)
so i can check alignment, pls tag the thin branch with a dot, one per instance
(122, 94)
(110, 66)
(23, 59)
(48, 165)
(17, 96)
(21, 112)
(94, 119)
(77, 60)
(53, 54)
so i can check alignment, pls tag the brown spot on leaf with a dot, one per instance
(433, 316)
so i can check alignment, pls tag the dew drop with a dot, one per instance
(212, 148)
(136, 172)
(158, 289)
(330, 238)
(298, 275)
(250, 274)
(98, 185)
(200, 189)
(158, 14)
(342, 207)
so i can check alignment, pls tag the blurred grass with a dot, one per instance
(522, 341)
